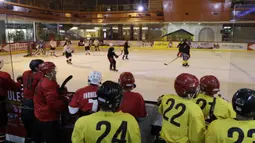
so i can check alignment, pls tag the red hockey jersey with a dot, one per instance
(30, 81)
(6, 83)
(85, 99)
(48, 103)
(133, 103)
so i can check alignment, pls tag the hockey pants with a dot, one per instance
(185, 58)
(112, 64)
(48, 132)
(28, 118)
(3, 119)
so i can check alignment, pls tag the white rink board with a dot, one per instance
(234, 69)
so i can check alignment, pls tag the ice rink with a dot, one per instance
(234, 69)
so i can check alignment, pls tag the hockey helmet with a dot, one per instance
(127, 81)
(210, 85)
(1, 63)
(243, 102)
(111, 44)
(47, 67)
(186, 85)
(109, 96)
(95, 78)
(33, 65)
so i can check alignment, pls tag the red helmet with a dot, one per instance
(186, 85)
(210, 85)
(46, 67)
(127, 80)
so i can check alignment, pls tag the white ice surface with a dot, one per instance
(234, 69)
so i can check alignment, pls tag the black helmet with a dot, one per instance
(110, 95)
(244, 102)
(34, 64)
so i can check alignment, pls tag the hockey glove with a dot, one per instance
(68, 96)
(179, 54)
(63, 53)
(159, 100)
(62, 91)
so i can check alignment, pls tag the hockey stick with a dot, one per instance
(171, 61)
(66, 81)
(120, 53)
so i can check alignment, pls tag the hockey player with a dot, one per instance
(183, 120)
(87, 47)
(6, 83)
(68, 50)
(67, 41)
(238, 130)
(39, 47)
(132, 102)
(81, 43)
(184, 52)
(30, 80)
(111, 54)
(96, 43)
(107, 125)
(49, 102)
(85, 99)
(126, 52)
(53, 46)
(213, 106)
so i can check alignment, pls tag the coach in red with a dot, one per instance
(48, 104)
(6, 83)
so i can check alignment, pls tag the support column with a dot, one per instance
(110, 34)
(101, 33)
(2, 32)
(148, 34)
(120, 32)
(34, 32)
(132, 32)
(140, 33)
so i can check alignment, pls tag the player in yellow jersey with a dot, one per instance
(238, 130)
(107, 125)
(213, 106)
(183, 120)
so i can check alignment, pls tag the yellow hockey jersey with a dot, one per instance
(106, 127)
(183, 120)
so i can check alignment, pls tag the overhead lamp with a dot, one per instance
(74, 28)
(140, 8)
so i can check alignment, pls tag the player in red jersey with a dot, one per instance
(49, 102)
(85, 99)
(30, 79)
(6, 83)
(132, 102)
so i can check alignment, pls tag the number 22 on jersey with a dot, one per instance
(179, 106)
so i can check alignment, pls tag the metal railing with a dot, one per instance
(108, 8)
(85, 8)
